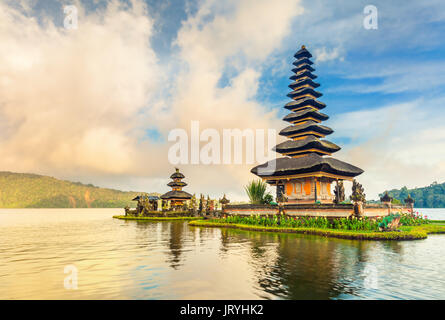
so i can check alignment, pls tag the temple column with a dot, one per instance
(315, 188)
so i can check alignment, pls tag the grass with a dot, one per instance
(155, 218)
(405, 233)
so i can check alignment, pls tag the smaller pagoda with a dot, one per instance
(177, 196)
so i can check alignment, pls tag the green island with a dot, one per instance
(360, 229)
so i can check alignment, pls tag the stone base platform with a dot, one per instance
(314, 210)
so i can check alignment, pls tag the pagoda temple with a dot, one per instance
(307, 170)
(177, 196)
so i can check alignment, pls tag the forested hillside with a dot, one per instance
(432, 196)
(23, 190)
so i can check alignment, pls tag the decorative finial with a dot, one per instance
(303, 47)
(177, 170)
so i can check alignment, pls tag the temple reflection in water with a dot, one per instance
(284, 266)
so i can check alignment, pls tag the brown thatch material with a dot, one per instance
(302, 61)
(176, 184)
(302, 53)
(304, 103)
(309, 112)
(302, 82)
(310, 142)
(303, 91)
(176, 195)
(177, 175)
(303, 67)
(306, 164)
(302, 75)
(306, 127)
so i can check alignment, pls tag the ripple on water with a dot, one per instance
(119, 259)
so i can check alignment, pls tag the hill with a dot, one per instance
(432, 196)
(23, 190)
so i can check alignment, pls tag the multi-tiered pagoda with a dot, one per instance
(177, 196)
(305, 173)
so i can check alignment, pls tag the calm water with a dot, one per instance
(169, 260)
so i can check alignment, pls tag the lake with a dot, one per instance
(118, 259)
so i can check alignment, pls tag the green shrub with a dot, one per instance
(256, 191)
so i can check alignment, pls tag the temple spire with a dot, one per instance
(304, 172)
(177, 196)
(306, 133)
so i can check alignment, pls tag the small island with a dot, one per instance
(174, 205)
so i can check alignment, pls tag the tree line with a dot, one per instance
(432, 196)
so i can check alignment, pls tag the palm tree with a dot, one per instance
(256, 190)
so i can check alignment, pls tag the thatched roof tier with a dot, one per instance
(176, 184)
(308, 126)
(305, 74)
(308, 143)
(304, 114)
(296, 94)
(302, 53)
(303, 82)
(305, 102)
(306, 67)
(177, 175)
(302, 61)
(311, 163)
(172, 195)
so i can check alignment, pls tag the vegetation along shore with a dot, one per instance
(411, 227)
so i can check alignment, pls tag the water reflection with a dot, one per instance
(159, 260)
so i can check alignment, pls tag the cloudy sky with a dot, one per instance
(96, 104)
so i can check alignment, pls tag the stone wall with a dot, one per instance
(314, 210)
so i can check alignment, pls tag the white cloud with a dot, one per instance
(76, 104)
(323, 54)
(396, 145)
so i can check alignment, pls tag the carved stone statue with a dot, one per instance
(282, 198)
(410, 203)
(201, 204)
(339, 192)
(224, 201)
(358, 197)
(208, 205)
(358, 192)
(193, 204)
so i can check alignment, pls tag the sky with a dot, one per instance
(96, 104)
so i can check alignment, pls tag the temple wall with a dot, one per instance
(247, 209)
(303, 190)
(313, 210)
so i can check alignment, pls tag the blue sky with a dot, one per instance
(384, 88)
